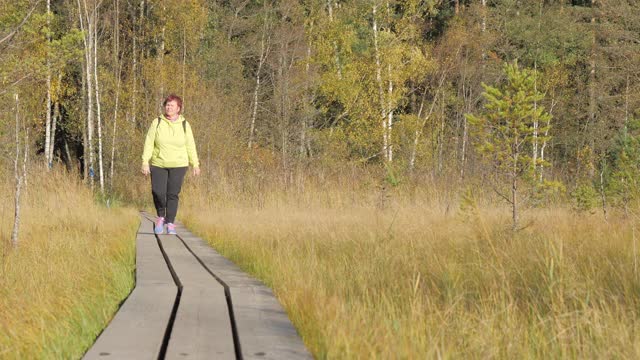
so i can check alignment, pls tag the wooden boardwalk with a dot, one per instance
(189, 302)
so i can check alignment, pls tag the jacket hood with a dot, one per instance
(180, 118)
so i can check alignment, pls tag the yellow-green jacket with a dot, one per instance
(169, 144)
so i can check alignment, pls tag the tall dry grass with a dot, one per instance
(73, 267)
(427, 277)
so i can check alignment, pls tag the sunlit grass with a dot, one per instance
(73, 267)
(422, 278)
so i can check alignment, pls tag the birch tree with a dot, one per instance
(383, 105)
(89, 43)
(54, 125)
(19, 178)
(118, 74)
(335, 43)
(265, 45)
(48, 102)
(97, 89)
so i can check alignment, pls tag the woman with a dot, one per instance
(170, 148)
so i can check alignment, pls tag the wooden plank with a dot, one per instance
(151, 268)
(202, 327)
(263, 327)
(222, 267)
(137, 331)
(138, 328)
(147, 223)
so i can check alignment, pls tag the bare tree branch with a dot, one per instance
(8, 87)
(9, 36)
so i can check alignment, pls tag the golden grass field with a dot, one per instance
(428, 278)
(427, 275)
(73, 267)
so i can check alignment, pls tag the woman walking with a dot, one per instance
(170, 147)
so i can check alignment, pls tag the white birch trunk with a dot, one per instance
(134, 65)
(465, 132)
(385, 139)
(263, 56)
(514, 194)
(134, 79)
(544, 142)
(484, 15)
(115, 128)
(25, 180)
(592, 82)
(56, 115)
(303, 129)
(484, 27)
(389, 115)
(416, 138)
(47, 132)
(335, 43)
(118, 74)
(441, 136)
(116, 38)
(97, 89)
(535, 119)
(88, 47)
(535, 102)
(254, 112)
(18, 179)
(85, 142)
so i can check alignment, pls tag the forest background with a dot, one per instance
(340, 132)
(287, 90)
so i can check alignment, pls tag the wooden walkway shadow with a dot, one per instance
(189, 302)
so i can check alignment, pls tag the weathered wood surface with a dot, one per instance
(263, 327)
(192, 303)
(138, 329)
(202, 328)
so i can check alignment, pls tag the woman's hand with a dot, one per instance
(145, 170)
(196, 171)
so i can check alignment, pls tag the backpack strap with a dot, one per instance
(184, 126)
(157, 126)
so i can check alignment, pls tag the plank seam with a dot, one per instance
(227, 295)
(176, 304)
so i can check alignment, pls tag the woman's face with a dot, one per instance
(171, 108)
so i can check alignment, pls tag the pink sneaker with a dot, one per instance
(171, 229)
(159, 227)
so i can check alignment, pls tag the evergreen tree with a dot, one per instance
(505, 133)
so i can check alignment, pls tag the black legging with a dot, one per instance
(165, 186)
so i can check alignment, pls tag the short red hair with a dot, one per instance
(173, 97)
